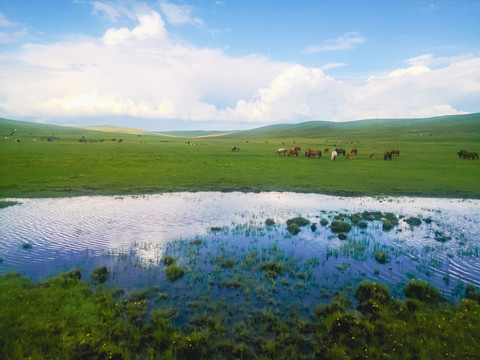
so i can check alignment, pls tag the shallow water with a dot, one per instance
(131, 234)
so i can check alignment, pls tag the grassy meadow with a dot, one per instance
(50, 161)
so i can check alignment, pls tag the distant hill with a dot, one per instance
(442, 127)
(195, 133)
(119, 129)
(465, 125)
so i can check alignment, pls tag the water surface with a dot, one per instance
(131, 234)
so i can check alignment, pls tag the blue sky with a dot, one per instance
(164, 65)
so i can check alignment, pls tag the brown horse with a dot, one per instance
(372, 155)
(281, 151)
(395, 152)
(312, 153)
(354, 151)
(387, 155)
(298, 148)
(351, 155)
(293, 152)
(470, 155)
(326, 150)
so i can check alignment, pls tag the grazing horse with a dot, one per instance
(297, 148)
(372, 155)
(470, 155)
(334, 155)
(326, 150)
(461, 153)
(312, 153)
(387, 155)
(340, 151)
(354, 151)
(281, 151)
(293, 152)
(395, 152)
(351, 155)
(235, 148)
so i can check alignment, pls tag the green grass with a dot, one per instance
(62, 318)
(152, 163)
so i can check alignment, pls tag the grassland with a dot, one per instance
(51, 161)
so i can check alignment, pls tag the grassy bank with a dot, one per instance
(67, 318)
(50, 161)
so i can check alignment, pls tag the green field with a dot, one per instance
(50, 161)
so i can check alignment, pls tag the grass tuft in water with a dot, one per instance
(100, 275)
(381, 257)
(269, 222)
(174, 272)
(413, 221)
(340, 227)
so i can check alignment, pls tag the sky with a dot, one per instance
(236, 64)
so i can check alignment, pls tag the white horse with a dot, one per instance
(334, 155)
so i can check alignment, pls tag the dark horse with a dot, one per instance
(395, 152)
(387, 155)
(340, 151)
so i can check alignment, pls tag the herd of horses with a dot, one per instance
(338, 151)
(387, 155)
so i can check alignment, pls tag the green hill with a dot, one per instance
(465, 126)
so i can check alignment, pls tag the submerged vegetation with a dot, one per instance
(7, 203)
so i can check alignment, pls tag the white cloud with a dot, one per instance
(4, 22)
(344, 42)
(151, 26)
(179, 14)
(113, 11)
(140, 72)
(12, 31)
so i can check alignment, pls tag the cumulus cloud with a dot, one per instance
(140, 72)
(344, 42)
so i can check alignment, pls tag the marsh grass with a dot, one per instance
(248, 293)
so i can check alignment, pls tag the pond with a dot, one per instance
(228, 253)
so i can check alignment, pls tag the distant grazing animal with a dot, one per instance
(334, 155)
(298, 148)
(470, 155)
(387, 155)
(351, 155)
(354, 151)
(281, 151)
(235, 148)
(460, 153)
(372, 155)
(326, 150)
(293, 152)
(395, 152)
(312, 153)
(340, 151)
